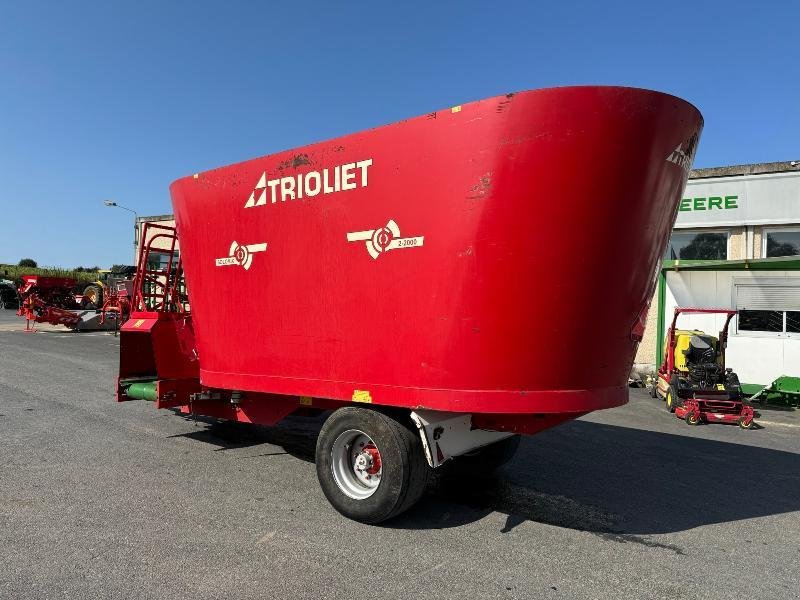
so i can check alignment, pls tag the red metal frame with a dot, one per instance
(161, 287)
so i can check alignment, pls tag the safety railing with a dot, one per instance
(159, 284)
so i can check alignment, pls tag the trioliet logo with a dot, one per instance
(683, 155)
(340, 178)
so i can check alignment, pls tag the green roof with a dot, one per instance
(780, 263)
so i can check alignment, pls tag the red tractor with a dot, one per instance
(693, 379)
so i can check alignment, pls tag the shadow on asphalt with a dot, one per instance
(617, 482)
(297, 435)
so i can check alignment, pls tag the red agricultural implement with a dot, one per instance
(53, 300)
(426, 281)
(117, 302)
(693, 380)
(48, 300)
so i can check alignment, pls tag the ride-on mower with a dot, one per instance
(693, 379)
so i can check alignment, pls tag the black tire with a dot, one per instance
(671, 399)
(92, 296)
(734, 386)
(404, 473)
(745, 424)
(692, 420)
(484, 461)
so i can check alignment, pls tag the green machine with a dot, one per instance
(784, 390)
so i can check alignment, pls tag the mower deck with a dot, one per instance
(715, 410)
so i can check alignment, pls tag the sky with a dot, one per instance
(115, 100)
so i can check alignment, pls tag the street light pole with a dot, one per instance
(135, 224)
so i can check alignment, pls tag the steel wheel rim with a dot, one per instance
(356, 464)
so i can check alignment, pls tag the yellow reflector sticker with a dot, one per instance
(361, 396)
(456, 109)
(305, 401)
(720, 386)
(139, 323)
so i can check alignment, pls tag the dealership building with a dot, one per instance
(736, 245)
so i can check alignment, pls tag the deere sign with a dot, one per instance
(738, 200)
(709, 203)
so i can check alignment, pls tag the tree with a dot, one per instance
(705, 246)
(775, 248)
(27, 262)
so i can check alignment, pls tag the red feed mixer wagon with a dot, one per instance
(427, 281)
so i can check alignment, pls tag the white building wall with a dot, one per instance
(755, 357)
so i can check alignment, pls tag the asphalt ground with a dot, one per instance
(105, 500)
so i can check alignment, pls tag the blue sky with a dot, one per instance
(116, 100)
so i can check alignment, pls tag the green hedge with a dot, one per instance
(15, 273)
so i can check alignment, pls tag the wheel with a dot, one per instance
(371, 466)
(670, 399)
(92, 296)
(692, 418)
(745, 423)
(486, 460)
(734, 386)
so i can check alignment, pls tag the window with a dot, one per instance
(781, 242)
(793, 321)
(698, 245)
(761, 320)
(769, 307)
(159, 259)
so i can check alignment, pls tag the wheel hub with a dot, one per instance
(356, 464)
(369, 460)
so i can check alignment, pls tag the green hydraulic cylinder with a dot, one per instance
(143, 390)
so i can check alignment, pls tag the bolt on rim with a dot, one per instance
(356, 464)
